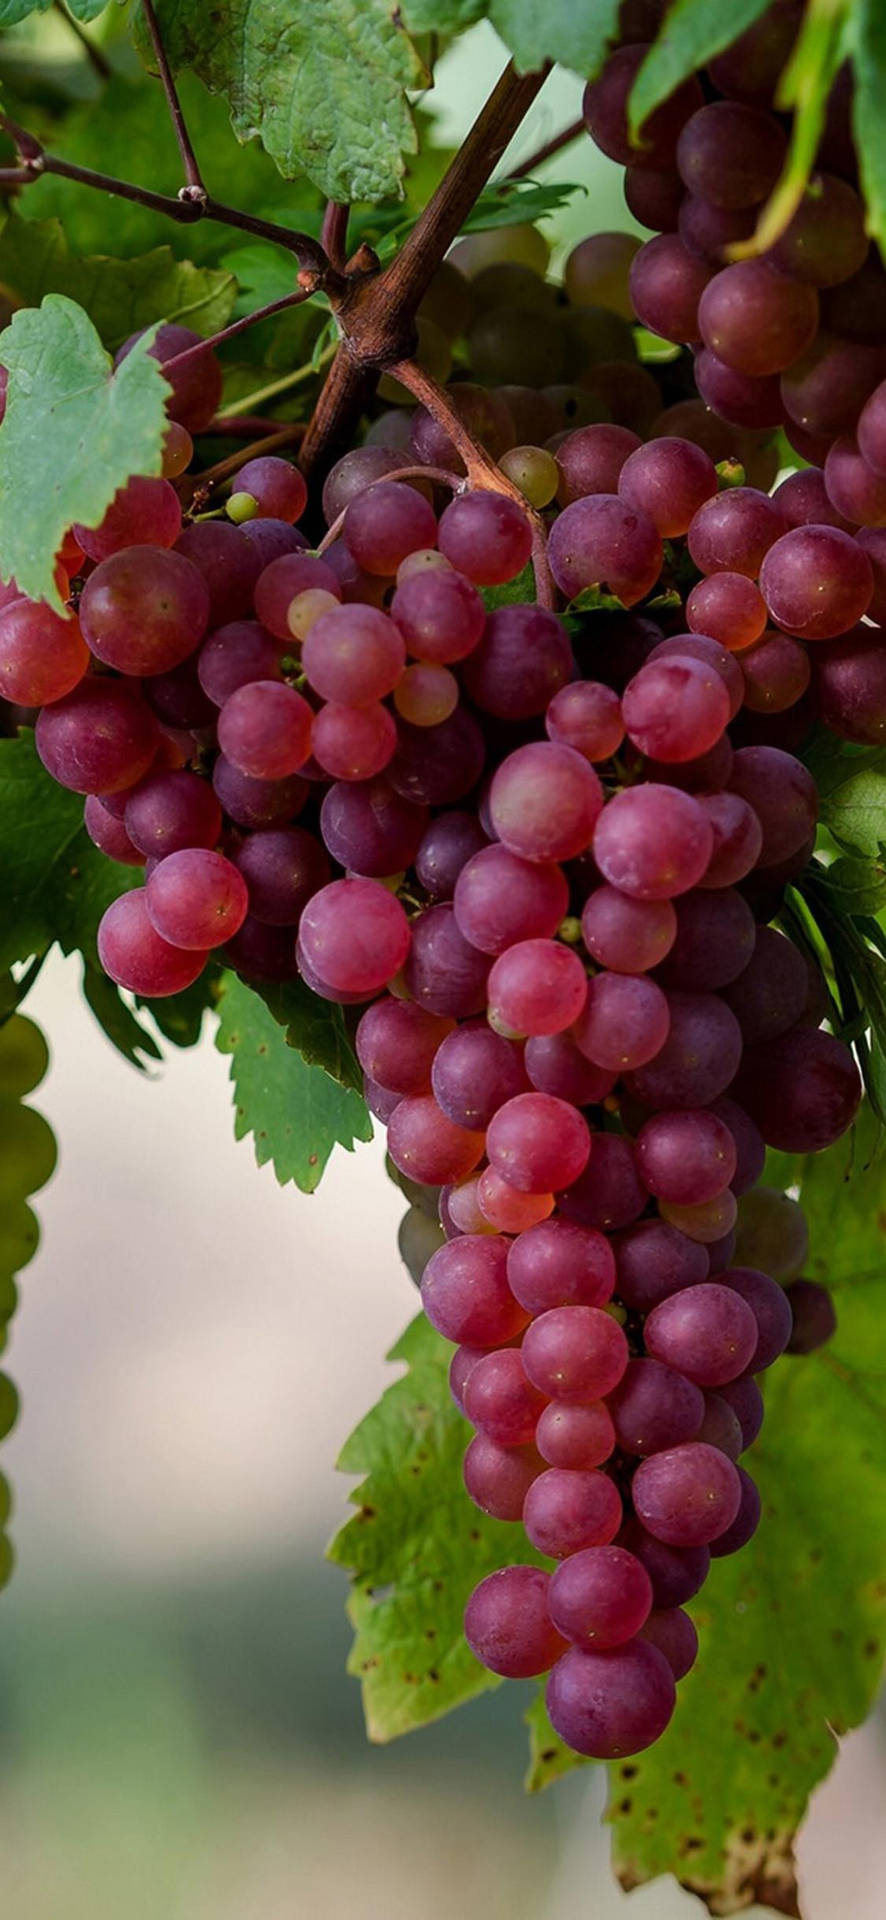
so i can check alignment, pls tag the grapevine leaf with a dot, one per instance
(804, 88)
(443, 16)
(73, 432)
(12, 12)
(694, 32)
(120, 296)
(415, 1547)
(316, 1028)
(179, 1016)
(54, 884)
(86, 10)
(792, 1628)
(512, 202)
(295, 1112)
(576, 36)
(324, 88)
(116, 1019)
(852, 885)
(852, 795)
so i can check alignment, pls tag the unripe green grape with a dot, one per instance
(240, 507)
(24, 1056)
(7, 1559)
(449, 301)
(308, 607)
(509, 284)
(596, 272)
(434, 356)
(523, 244)
(513, 347)
(576, 406)
(417, 1238)
(593, 335)
(27, 1151)
(9, 1405)
(8, 1298)
(534, 471)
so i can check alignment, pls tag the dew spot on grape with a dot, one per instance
(628, 1772)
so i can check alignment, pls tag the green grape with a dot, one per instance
(418, 1237)
(24, 1056)
(596, 272)
(19, 1236)
(425, 1198)
(8, 1299)
(5, 1501)
(7, 1559)
(576, 406)
(595, 334)
(9, 1405)
(449, 301)
(523, 244)
(433, 353)
(27, 1150)
(512, 347)
(508, 284)
(534, 471)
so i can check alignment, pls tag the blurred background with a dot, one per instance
(178, 1737)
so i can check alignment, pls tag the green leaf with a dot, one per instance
(868, 31)
(415, 1547)
(852, 797)
(324, 88)
(512, 593)
(295, 1112)
(695, 30)
(316, 1028)
(852, 885)
(803, 89)
(73, 432)
(791, 1628)
(513, 202)
(576, 36)
(179, 1016)
(54, 884)
(120, 296)
(124, 1031)
(14, 11)
(86, 10)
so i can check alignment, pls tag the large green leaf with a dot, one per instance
(54, 884)
(120, 296)
(295, 1112)
(415, 1547)
(694, 31)
(324, 88)
(74, 431)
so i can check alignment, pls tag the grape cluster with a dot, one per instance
(27, 1159)
(541, 859)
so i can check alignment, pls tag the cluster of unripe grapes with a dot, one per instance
(27, 1159)
(539, 855)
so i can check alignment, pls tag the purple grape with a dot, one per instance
(654, 1260)
(428, 1147)
(264, 729)
(257, 803)
(144, 512)
(101, 738)
(559, 1264)
(136, 957)
(590, 460)
(465, 1291)
(740, 398)
(260, 952)
(769, 1304)
(500, 898)
(601, 541)
(667, 283)
(537, 1143)
(746, 1521)
(536, 987)
(744, 1397)
(652, 842)
(275, 485)
(610, 1193)
(396, 1042)
(498, 1478)
(434, 766)
(555, 1065)
(196, 899)
(573, 1437)
(803, 1089)
(624, 1021)
(370, 829)
(196, 384)
(109, 834)
(508, 1626)
(600, 1597)
(474, 1072)
(720, 1427)
(282, 581)
(608, 1705)
(816, 582)
(734, 532)
(444, 973)
(270, 539)
(522, 660)
(605, 110)
(731, 154)
(673, 1633)
(668, 480)
(283, 868)
(675, 708)
(813, 1316)
(499, 1399)
(687, 1496)
(230, 566)
(171, 810)
(686, 1157)
(729, 607)
(716, 936)
(676, 1572)
(234, 655)
(566, 1511)
(699, 1058)
(355, 934)
(440, 615)
(446, 847)
(385, 522)
(750, 1146)
(708, 231)
(755, 320)
(627, 935)
(654, 1407)
(782, 793)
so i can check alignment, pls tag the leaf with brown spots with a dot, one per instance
(792, 1628)
(415, 1547)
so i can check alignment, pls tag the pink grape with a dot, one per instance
(136, 957)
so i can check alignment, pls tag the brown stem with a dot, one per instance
(334, 233)
(546, 152)
(242, 426)
(481, 469)
(377, 315)
(194, 188)
(268, 443)
(94, 54)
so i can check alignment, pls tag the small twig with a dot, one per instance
(284, 436)
(334, 233)
(481, 469)
(546, 152)
(34, 162)
(241, 426)
(274, 388)
(94, 54)
(194, 188)
(238, 326)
